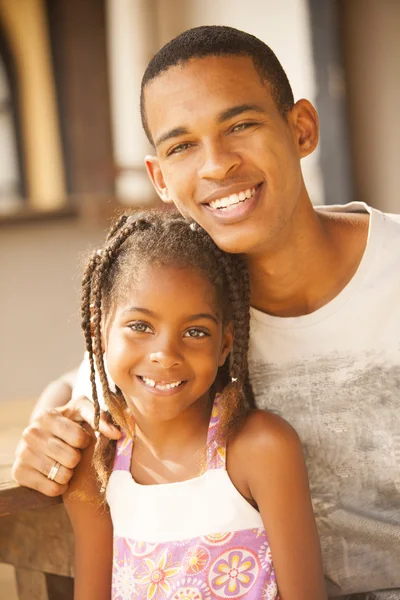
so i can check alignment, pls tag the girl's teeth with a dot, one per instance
(161, 386)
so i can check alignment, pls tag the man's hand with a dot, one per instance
(55, 435)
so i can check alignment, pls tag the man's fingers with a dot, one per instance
(107, 428)
(53, 422)
(80, 410)
(59, 451)
(44, 464)
(29, 477)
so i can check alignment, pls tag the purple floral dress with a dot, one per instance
(192, 540)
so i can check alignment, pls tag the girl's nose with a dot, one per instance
(165, 359)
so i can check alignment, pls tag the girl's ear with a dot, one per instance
(226, 343)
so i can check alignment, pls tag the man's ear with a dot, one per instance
(226, 343)
(304, 120)
(156, 177)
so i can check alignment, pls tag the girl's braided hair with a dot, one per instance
(164, 239)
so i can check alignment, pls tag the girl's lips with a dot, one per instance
(161, 391)
(237, 212)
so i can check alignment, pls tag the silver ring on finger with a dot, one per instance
(53, 471)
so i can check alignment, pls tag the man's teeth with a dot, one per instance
(161, 386)
(233, 199)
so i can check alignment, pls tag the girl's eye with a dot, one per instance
(193, 332)
(178, 149)
(243, 126)
(140, 327)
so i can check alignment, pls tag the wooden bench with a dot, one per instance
(35, 534)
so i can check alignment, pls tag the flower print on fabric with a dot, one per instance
(270, 590)
(265, 556)
(190, 588)
(216, 454)
(124, 585)
(195, 560)
(233, 573)
(156, 577)
(218, 539)
(124, 448)
(140, 549)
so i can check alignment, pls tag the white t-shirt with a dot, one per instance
(335, 376)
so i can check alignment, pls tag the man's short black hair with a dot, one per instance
(219, 40)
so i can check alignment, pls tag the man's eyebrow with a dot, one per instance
(227, 114)
(237, 110)
(172, 133)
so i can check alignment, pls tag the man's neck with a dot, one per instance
(317, 257)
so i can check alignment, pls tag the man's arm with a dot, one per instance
(55, 434)
(56, 394)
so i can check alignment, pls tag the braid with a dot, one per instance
(237, 396)
(117, 225)
(87, 324)
(92, 284)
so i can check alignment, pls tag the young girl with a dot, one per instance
(206, 497)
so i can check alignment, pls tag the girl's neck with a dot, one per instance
(171, 451)
(169, 439)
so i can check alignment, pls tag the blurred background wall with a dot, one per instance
(71, 145)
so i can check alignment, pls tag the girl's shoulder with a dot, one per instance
(266, 431)
(265, 446)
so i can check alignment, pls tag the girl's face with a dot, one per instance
(165, 340)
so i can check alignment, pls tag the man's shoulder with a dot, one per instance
(383, 228)
(357, 208)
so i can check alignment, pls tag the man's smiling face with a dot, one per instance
(226, 156)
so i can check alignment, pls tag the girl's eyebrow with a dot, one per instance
(138, 309)
(150, 313)
(204, 316)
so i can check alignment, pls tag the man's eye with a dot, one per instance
(193, 332)
(243, 126)
(140, 327)
(179, 149)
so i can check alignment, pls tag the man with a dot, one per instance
(325, 347)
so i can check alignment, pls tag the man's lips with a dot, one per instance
(233, 208)
(230, 195)
(226, 202)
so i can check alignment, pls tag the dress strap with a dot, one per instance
(216, 453)
(123, 453)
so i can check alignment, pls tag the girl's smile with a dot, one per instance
(161, 387)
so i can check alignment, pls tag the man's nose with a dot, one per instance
(219, 161)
